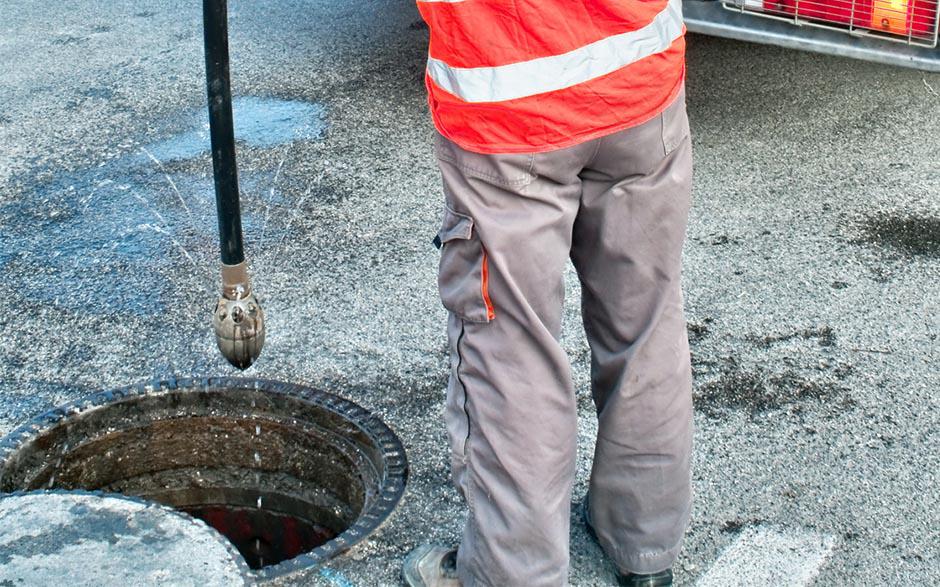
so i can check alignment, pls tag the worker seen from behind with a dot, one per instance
(562, 133)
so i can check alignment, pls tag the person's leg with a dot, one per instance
(627, 249)
(510, 411)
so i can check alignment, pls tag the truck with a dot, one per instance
(896, 32)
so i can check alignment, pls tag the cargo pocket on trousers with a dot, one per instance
(463, 276)
(675, 124)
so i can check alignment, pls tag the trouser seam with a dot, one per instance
(468, 461)
(466, 396)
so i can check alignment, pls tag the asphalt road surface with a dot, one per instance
(811, 279)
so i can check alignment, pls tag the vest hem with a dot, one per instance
(493, 149)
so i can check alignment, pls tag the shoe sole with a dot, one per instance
(409, 568)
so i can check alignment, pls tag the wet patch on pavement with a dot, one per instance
(908, 234)
(259, 122)
(757, 390)
(79, 238)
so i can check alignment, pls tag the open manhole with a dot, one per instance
(290, 475)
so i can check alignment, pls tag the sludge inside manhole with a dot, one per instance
(291, 475)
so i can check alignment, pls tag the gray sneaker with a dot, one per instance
(430, 566)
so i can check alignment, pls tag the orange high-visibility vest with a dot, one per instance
(511, 76)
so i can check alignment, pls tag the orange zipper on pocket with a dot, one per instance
(490, 314)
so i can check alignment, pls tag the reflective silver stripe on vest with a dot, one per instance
(547, 74)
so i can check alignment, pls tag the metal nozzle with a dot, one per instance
(238, 319)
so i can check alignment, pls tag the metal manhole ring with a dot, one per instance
(382, 450)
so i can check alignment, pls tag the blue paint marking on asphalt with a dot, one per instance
(259, 122)
(336, 578)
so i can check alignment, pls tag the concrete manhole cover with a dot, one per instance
(60, 538)
(290, 475)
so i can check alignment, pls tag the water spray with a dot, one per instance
(238, 319)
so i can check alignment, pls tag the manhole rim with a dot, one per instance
(391, 487)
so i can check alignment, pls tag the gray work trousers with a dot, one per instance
(618, 207)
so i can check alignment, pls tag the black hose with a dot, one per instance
(215, 25)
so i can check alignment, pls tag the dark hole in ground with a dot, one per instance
(910, 234)
(263, 537)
